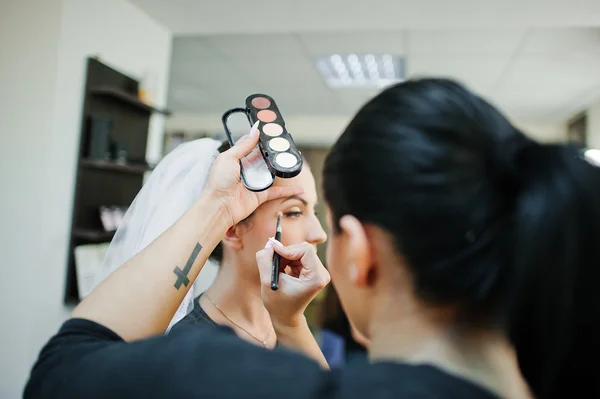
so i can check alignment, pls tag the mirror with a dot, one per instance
(255, 172)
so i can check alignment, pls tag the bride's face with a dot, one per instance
(299, 221)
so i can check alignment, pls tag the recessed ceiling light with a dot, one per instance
(361, 70)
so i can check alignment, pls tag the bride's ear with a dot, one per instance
(233, 238)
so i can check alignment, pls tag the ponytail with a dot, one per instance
(555, 316)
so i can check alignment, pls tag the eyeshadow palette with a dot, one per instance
(276, 153)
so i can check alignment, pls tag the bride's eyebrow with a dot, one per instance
(295, 197)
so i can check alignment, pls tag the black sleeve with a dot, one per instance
(87, 360)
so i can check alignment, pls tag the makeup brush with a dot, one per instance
(275, 268)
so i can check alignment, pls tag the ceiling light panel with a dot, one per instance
(361, 70)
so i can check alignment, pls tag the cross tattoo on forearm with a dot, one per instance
(182, 277)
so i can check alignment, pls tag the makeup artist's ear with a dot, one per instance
(359, 251)
(233, 237)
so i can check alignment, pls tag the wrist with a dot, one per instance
(213, 210)
(289, 325)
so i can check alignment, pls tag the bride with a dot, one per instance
(233, 299)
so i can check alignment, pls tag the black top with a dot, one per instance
(197, 317)
(87, 360)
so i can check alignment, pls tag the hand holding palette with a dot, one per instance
(276, 153)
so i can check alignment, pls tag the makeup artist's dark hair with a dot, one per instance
(489, 221)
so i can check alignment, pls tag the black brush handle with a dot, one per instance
(275, 269)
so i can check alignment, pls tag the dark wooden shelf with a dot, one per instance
(127, 98)
(115, 167)
(93, 236)
(113, 95)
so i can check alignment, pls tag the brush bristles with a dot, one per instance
(278, 229)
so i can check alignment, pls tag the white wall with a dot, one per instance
(323, 130)
(124, 38)
(545, 133)
(593, 126)
(42, 75)
(28, 67)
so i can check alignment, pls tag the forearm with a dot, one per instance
(299, 338)
(139, 299)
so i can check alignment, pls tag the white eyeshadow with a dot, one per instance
(286, 160)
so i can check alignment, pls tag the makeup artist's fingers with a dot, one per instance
(304, 255)
(306, 279)
(251, 158)
(264, 260)
(293, 269)
(245, 144)
(301, 251)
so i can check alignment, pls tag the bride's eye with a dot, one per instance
(293, 214)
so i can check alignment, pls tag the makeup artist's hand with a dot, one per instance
(304, 277)
(225, 186)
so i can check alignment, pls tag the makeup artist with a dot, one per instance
(464, 251)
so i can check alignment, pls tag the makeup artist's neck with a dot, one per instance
(485, 358)
(238, 295)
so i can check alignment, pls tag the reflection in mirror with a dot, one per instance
(255, 172)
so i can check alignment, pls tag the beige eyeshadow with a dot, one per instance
(272, 129)
(279, 144)
(261, 102)
(266, 115)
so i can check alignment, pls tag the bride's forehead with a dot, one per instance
(305, 179)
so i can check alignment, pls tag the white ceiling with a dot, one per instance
(534, 75)
(195, 17)
(538, 60)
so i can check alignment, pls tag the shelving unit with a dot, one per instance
(100, 182)
(93, 236)
(126, 98)
(114, 166)
(577, 128)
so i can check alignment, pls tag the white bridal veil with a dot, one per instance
(171, 189)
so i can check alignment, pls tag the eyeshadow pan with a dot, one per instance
(272, 129)
(266, 115)
(286, 160)
(261, 102)
(279, 144)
